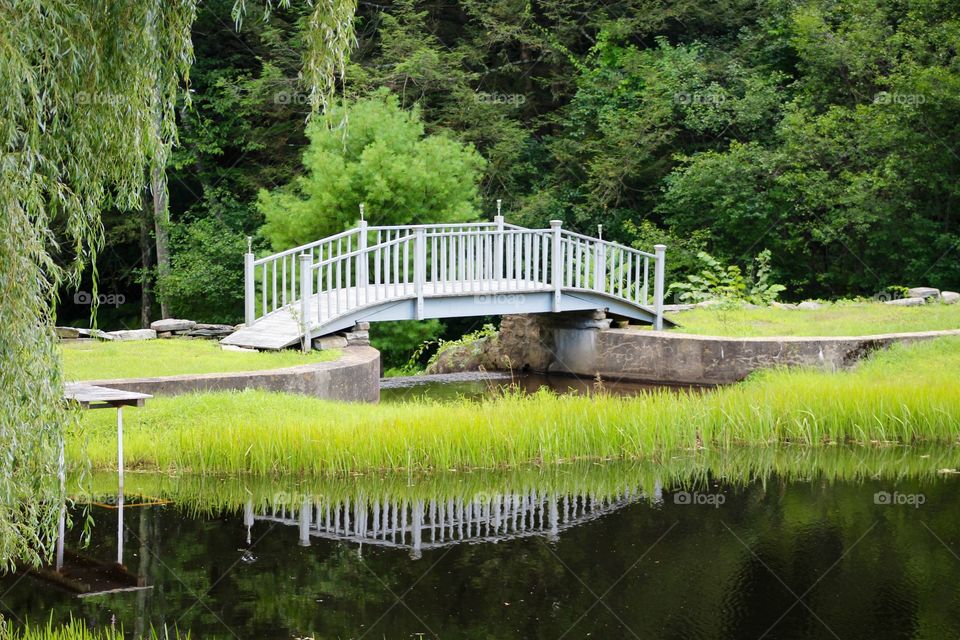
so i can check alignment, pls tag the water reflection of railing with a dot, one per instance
(418, 525)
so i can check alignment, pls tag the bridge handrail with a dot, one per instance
(371, 264)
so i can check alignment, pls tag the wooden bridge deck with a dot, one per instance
(281, 328)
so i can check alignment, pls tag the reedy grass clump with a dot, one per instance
(906, 395)
(77, 630)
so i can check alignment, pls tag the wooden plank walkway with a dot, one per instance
(281, 328)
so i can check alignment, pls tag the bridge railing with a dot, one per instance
(372, 264)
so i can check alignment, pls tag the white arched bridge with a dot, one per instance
(378, 273)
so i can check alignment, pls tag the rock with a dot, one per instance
(101, 335)
(230, 347)
(809, 304)
(134, 334)
(907, 302)
(707, 303)
(210, 330)
(674, 308)
(329, 342)
(923, 292)
(164, 334)
(362, 326)
(949, 297)
(71, 333)
(782, 305)
(172, 324)
(357, 338)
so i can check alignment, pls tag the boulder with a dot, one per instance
(134, 334)
(71, 333)
(329, 342)
(172, 324)
(210, 330)
(949, 297)
(907, 302)
(101, 335)
(782, 305)
(809, 304)
(357, 338)
(923, 292)
(362, 326)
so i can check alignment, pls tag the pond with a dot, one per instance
(766, 543)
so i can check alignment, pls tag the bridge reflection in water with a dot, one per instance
(418, 525)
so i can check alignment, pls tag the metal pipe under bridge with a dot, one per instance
(407, 272)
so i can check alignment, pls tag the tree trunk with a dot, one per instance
(146, 261)
(161, 221)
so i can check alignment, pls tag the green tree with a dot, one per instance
(88, 112)
(378, 155)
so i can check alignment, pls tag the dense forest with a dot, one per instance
(823, 131)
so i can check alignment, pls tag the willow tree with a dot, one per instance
(86, 115)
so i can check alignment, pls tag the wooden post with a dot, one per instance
(660, 252)
(248, 284)
(120, 444)
(498, 269)
(556, 264)
(306, 287)
(419, 268)
(362, 267)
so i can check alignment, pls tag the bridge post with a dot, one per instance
(306, 291)
(362, 266)
(248, 284)
(419, 268)
(498, 269)
(658, 269)
(556, 263)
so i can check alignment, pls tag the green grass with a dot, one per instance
(169, 357)
(904, 395)
(77, 630)
(833, 319)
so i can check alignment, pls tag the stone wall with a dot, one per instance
(353, 377)
(586, 346)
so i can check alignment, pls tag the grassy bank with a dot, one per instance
(833, 319)
(170, 357)
(905, 395)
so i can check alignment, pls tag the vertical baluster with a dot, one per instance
(462, 262)
(434, 259)
(349, 268)
(406, 262)
(545, 251)
(283, 282)
(263, 287)
(535, 258)
(387, 249)
(646, 280)
(396, 262)
(319, 285)
(627, 293)
(527, 256)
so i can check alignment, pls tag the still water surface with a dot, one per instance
(837, 544)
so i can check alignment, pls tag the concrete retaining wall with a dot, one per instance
(353, 377)
(667, 357)
(586, 346)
